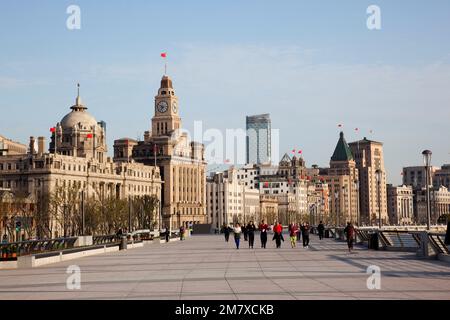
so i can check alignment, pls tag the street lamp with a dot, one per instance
(344, 193)
(336, 195)
(356, 182)
(427, 162)
(378, 177)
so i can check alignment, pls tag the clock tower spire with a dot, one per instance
(166, 118)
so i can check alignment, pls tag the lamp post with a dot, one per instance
(378, 178)
(82, 214)
(336, 195)
(344, 193)
(357, 202)
(427, 162)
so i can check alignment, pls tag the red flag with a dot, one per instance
(293, 150)
(52, 130)
(155, 148)
(89, 135)
(164, 55)
(266, 184)
(300, 151)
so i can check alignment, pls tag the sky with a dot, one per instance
(311, 64)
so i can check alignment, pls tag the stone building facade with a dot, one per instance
(400, 204)
(341, 179)
(439, 204)
(9, 147)
(368, 156)
(180, 161)
(229, 200)
(77, 158)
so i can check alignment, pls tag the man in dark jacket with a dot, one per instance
(251, 228)
(350, 233)
(263, 228)
(305, 235)
(226, 232)
(321, 229)
(167, 234)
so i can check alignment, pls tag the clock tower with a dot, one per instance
(166, 118)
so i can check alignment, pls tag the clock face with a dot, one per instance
(162, 106)
(174, 107)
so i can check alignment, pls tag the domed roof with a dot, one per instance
(76, 117)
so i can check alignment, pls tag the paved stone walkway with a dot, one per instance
(205, 267)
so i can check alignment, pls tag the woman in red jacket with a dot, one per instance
(278, 234)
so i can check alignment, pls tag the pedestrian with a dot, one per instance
(244, 231)
(305, 235)
(181, 233)
(5, 239)
(167, 234)
(299, 234)
(321, 229)
(237, 234)
(251, 228)
(263, 228)
(226, 232)
(293, 230)
(278, 234)
(350, 233)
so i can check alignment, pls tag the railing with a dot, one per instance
(437, 240)
(105, 239)
(14, 249)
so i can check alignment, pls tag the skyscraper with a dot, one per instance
(258, 138)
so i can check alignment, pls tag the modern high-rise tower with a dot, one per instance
(259, 144)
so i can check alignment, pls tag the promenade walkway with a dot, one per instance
(205, 267)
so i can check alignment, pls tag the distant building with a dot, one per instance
(341, 178)
(439, 204)
(442, 177)
(9, 147)
(181, 161)
(229, 201)
(415, 176)
(368, 156)
(259, 143)
(78, 160)
(400, 204)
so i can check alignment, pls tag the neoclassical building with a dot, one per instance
(77, 158)
(181, 162)
(342, 180)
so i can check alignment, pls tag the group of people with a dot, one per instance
(296, 231)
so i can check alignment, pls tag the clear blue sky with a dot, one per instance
(310, 64)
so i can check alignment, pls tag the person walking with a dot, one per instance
(251, 228)
(350, 233)
(293, 230)
(263, 228)
(321, 229)
(181, 233)
(167, 234)
(278, 234)
(305, 235)
(226, 232)
(244, 231)
(237, 230)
